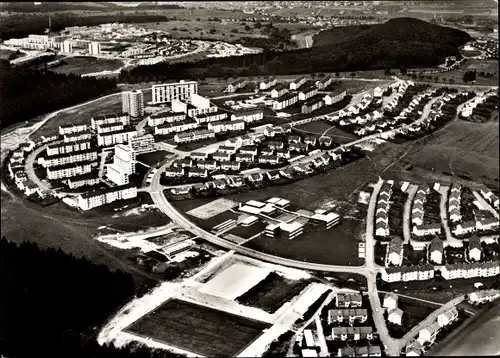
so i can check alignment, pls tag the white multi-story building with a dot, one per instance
(296, 83)
(142, 144)
(210, 117)
(133, 103)
(95, 198)
(233, 87)
(123, 165)
(69, 147)
(88, 179)
(169, 91)
(334, 97)
(307, 93)
(194, 136)
(94, 48)
(226, 126)
(279, 91)
(69, 170)
(407, 273)
(176, 127)
(158, 119)
(123, 136)
(73, 137)
(268, 83)
(109, 118)
(72, 128)
(66, 46)
(67, 158)
(248, 116)
(470, 270)
(287, 100)
(110, 127)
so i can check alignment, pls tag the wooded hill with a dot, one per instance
(402, 42)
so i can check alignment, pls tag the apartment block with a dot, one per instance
(167, 92)
(95, 198)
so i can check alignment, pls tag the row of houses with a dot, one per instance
(382, 209)
(73, 157)
(454, 203)
(371, 351)
(70, 170)
(429, 333)
(95, 198)
(448, 272)
(123, 118)
(66, 148)
(481, 224)
(490, 197)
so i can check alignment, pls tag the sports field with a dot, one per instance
(234, 281)
(198, 329)
(213, 208)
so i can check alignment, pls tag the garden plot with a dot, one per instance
(234, 281)
(213, 208)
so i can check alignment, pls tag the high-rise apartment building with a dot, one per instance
(123, 165)
(133, 103)
(94, 48)
(168, 91)
(66, 47)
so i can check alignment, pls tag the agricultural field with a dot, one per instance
(457, 75)
(272, 292)
(198, 329)
(83, 64)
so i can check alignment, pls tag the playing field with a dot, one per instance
(198, 329)
(234, 281)
(213, 208)
(272, 292)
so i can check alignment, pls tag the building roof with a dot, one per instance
(395, 245)
(436, 245)
(97, 192)
(70, 165)
(396, 311)
(167, 114)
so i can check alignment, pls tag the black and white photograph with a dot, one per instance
(249, 179)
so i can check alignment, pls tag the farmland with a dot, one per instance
(458, 74)
(198, 329)
(83, 64)
(272, 292)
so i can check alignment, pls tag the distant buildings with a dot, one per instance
(169, 91)
(109, 118)
(66, 46)
(267, 83)
(299, 81)
(233, 87)
(133, 103)
(483, 296)
(94, 48)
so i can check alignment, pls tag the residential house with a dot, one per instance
(207, 164)
(296, 83)
(226, 126)
(436, 251)
(475, 249)
(221, 156)
(307, 93)
(174, 172)
(283, 153)
(276, 145)
(323, 83)
(447, 317)
(325, 141)
(257, 177)
(407, 273)
(197, 173)
(395, 252)
(310, 140)
(348, 300)
(279, 91)
(465, 227)
(287, 100)
(413, 349)
(427, 229)
(480, 297)
(268, 83)
(428, 334)
(234, 86)
(395, 316)
(273, 175)
(246, 158)
(248, 116)
(230, 165)
(390, 301)
(487, 224)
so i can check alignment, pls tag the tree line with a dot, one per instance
(53, 304)
(27, 93)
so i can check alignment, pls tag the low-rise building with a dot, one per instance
(197, 173)
(267, 83)
(407, 273)
(73, 157)
(174, 172)
(158, 119)
(210, 117)
(447, 317)
(279, 91)
(109, 118)
(230, 165)
(65, 148)
(395, 252)
(475, 250)
(226, 126)
(72, 128)
(427, 229)
(193, 136)
(142, 144)
(395, 316)
(312, 105)
(248, 116)
(480, 297)
(429, 333)
(234, 86)
(413, 349)
(348, 300)
(207, 164)
(79, 181)
(73, 137)
(296, 83)
(350, 315)
(307, 93)
(176, 127)
(109, 139)
(390, 301)
(95, 198)
(436, 250)
(287, 100)
(470, 270)
(110, 127)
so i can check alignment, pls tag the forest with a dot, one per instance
(401, 42)
(44, 92)
(53, 305)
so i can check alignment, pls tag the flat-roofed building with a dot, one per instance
(248, 116)
(142, 144)
(194, 136)
(69, 170)
(113, 138)
(133, 103)
(88, 179)
(165, 117)
(124, 118)
(73, 137)
(67, 158)
(72, 128)
(95, 198)
(123, 165)
(167, 92)
(226, 126)
(69, 147)
(110, 127)
(210, 117)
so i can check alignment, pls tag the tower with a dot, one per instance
(133, 103)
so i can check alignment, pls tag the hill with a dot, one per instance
(402, 42)
(402, 30)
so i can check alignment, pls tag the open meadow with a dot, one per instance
(85, 64)
(198, 329)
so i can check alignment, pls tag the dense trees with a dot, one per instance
(398, 43)
(44, 92)
(53, 304)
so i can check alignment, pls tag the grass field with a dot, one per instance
(479, 65)
(5, 54)
(322, 128)
(153, 158)
(82, 65)
(272, 292)
(197, 329)
(336, 246)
